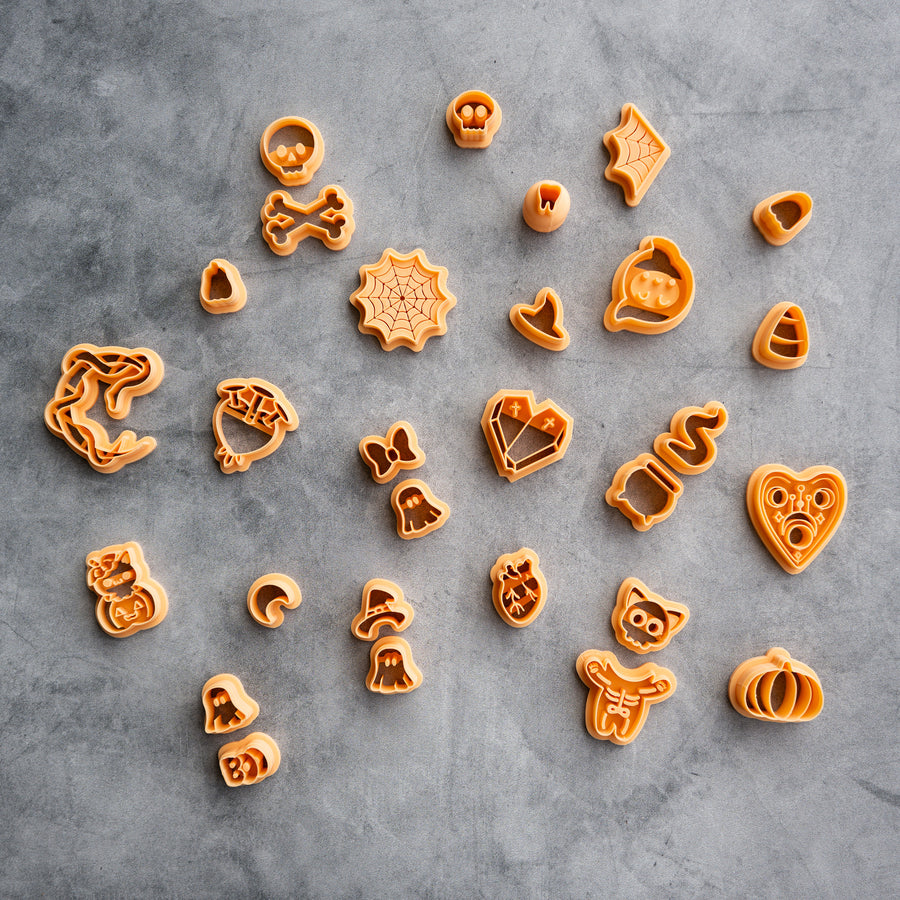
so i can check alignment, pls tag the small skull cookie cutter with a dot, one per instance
(636, 154)
(328, 218)
(776, 688)
(542, 321)
(392, 669)
(382, 606)
(386, 456)
(292, 149)
(222, 288)
(269, 596)
(520, 589)
(249, 760)
(227, 705)
(473, 118)
(781, 217)
(644, 621)
(782, 339)
(417, 509)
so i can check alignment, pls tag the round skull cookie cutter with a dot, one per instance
(473, 118)
(292, 149)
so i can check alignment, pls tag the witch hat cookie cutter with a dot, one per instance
(382, 606)
(386, 456)
(417, 509)
(292, 149)
(644, 621)
(782, 339)
(227, 705)
(473, 118)
(392, 669)
(328, 218)
(542, 321)
(781, 217)
(222, 288)
(636, 154)
(776, 688)
(520, 589)
(546, 206)
(269, 596)
(249, 760)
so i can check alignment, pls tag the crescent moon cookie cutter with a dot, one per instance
(386, 456)
(542, 321)
(776, 688)
(781, 217)
(636, 154)
(227, 705)
(269, 596)
(292, 149)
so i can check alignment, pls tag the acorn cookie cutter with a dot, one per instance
(542, 321)
(292, 149)
(473, 118)
(392, 669)
(636, 154)
(222, 288)
(227, 705)
(546, 206)
(782, 339)
(776, 688)
(520, 589)
(382, 606)
(644, 621)
(417, 509)
(269, 596)
(781, 217)
(386, 456)
(328, 218)
(249, 760)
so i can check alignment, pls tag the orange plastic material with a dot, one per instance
(123, 375)
(520, 589)
(796, 513)
(644, 621)
(128, 599)
(260, 405)
(270, 595)
(650, 468)
(689, 446)
(636, 154)
(620, 698)
(391, 667)
(292, 149)
(782, 339)
(546, 206)
(522, 436)
(776, 688)
(473, 117)
(781, 217)
(418, 511)
(250, 760)
(382, 605)
(542, 321)
(227, 705)
(403, 300)
(222, 288)
(386, 456)
(646, 299)
(328, 218)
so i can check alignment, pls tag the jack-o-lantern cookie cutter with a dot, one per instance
(328, 218)
(260, 405)
(776, 688)
(124, 374)
(417, 509)
(781, 217)
(128, 599)
(382, 605)
(542, 321)
(689, 446)
(473, 118)
(644, 621)
(227, 705)
(222, 288)
(546, 206)
(249, 760)
(392, 669)
(386, 456)
(636, 154)
(270, 595)
(782, 339)
(292, 149)
(520, 589)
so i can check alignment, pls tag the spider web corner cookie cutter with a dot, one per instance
(328, 218)
(636, 154)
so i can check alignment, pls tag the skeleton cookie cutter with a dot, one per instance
(269, 596)
(542, 321)
(636, 154)
(473, 118)
(228, 707)
(644, 621)
(222, 288)
(328, 218)
(386, 456)
(292, 149)
(382, 605)
(520, 589)
(392, 669)
(249, 760)
(776, 688)
(781, 217)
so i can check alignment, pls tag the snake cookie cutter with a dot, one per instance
(392, 669)
(418, 511)
(652, 290)
(795, 514)
(128, 599)
(249, 760)
(123, 375)
(648, 469)
(228, 707)
(542, 321)
(382, 605)
(620, 698)
(546, 206)
(775, 688)
(386, 456)
(269, 596)
(222, 288)
(524, 436)
(473, 118)
(291, 148)
(520, 589)
(781, 217)
(782, 339)
(636, 154)
(328, 218)
(260, 405)
(689, 446)
(644, 621)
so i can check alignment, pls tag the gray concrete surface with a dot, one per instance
(129, 160)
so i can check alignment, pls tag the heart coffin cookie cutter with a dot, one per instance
(755, 692)
(269, 596)
(382, 605)
(782, 339)
(520, 589)
(328, 218)
(249, 760)
(542, 321)
(228, 707)
(644, 621)
(386, 456)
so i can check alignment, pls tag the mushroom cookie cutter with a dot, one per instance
(328, 218)
(123, 375)
(781, 217)
(652, 290)
(382, 605)
(292, 149)
(269, 596)
(520, 589)
(249, 760)
(636, 154)
(392, 669)
(417, 509)
(796, 514)
(644, 621)
(128, 599)
(260, 405)
(782, 339)
(689, 446)
(776, 688)
(546, 206)
(620, 698)
(222, 288)
(542, 321)
(228, 707)
(386, 456)
(524, 436)
(473, 118)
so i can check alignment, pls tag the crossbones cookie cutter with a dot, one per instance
(328, 218)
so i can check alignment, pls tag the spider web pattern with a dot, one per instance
(641, 148)
(637, 153)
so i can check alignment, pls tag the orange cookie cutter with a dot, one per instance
(796, 514)
(520, 589)
(644, 621)
(689, 446)
(249, 760)
(541, 431)
(386, 456)
(392, 669)
(782, 339)
(619, 698)
(292, 149)
(328, 218)
(542, 321)
(546, 206)
(382, 605)
(652, 469)
(781, 217)
(222, 288)
(636, 154)
(270, 595)
(776, 688)
(128, 599)
(417, 509)
(403, 300)
(228, 707)
(124, 374)
(473, 118)
(663, 296)
(260, 405)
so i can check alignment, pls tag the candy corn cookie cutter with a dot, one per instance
(776, 688)
(546, 206)
(644, 621)
(417, 509)
(249, 760)
(386, 456)
(782, 339)
(382, 606)
(292, 149)
(520, 589)
(542, 321)
(392, 669)
(781, 217)
(328, 218)
(222, 288)
(636, 154)
(473, 118)
(270, 595)
(227, 706)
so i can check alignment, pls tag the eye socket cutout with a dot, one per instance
(823, 498)
(776, 496)
(280, 152)
(466, 112)
(637, 617)
(653, 627)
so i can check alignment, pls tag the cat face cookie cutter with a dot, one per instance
(520, 589)
(292, 149)
(227, 706)
(249, 760)
(269, 596)
(644, 621)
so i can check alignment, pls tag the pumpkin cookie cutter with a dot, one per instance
(776, 688)
(636, 154)
(227, 705)
(124, 375)
(473, 118)
(546, 206)
(692, 431)
(392, 669)
(386, 456)
(644, 621)
(542, 321)
(781, 217)
(249, 760)
(417, 509)
(382, 605)
(520, 589)
(292, 149)
(782, 339)
(222, 288)
(128, 599)
(269, 596)
(328, 218)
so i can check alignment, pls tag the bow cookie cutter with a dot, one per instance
(328, 218)
(382, 605)
(392, 669)
(782, 339)
(542, 321)
(270, 595)
(222, 288)
(776, 688)
(386, 456)
(520, 589)
(636, 154)
(473, 118)
(227, 705)
(644, 621)
(417, 509)
(781, 217)
(249, 760)
(292, 149)
(546, 206)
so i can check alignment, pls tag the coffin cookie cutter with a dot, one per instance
(222, 288)
(776, 688)
(781, 217)
(392, 669)
(382, 606)
(228, 707)
(386, 456)
(636, 154)
(782, 339)
(292, 149)
(249, 760)
(644, 621)
(328, 218)
(270, 595)
(520, 589)
(652, 469)
(689, 446)
(546, 206)
(542, 321)
(473, 118)
(417, 509)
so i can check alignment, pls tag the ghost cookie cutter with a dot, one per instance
(392, 669)
(269, 596)
(636, 154)
(473, 118)
(520, 589)
(542, 321)
(782, 339)
(546, 206)
(292, 149)
(222, 288)
(781, 217)
(776, 688)
(249, 760)
(417, 509)
(328, 218)
(386, 456)
(644, 621)
(228, 707)
(382, 605)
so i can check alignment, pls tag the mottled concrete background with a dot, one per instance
(128, 160)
